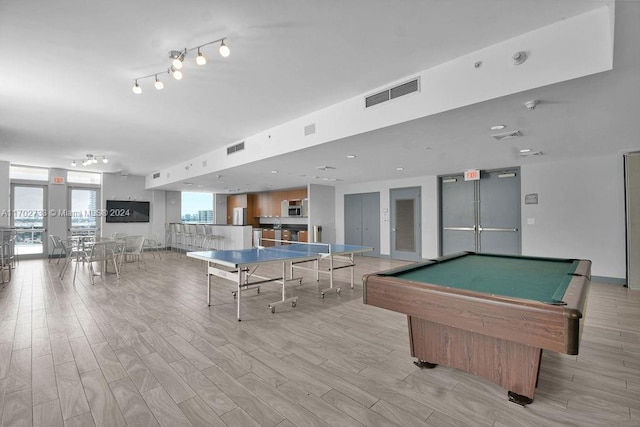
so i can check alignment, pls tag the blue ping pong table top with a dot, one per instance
(237, 257)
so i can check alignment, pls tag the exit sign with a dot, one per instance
(472, 175)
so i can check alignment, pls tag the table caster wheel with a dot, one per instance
(338, 291)
(234, 294)
(322, 294)
(273, 309)
(293, 304)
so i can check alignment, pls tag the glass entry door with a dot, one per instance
(406, 227)
(84, 204)
(29, 217)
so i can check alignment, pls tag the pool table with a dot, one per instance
(490, 315)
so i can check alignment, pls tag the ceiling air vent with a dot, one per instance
(404, 89)
(235, 148)
(376, 99)
(156, 175)
(392, 93)
(507, 135)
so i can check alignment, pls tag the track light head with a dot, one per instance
(176, 73)
(224, 49)
(158, 84)
(200, 59)
(136, 88)
(176, 58)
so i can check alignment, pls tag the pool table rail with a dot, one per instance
(534, 323)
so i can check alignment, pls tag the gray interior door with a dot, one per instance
(632, 190)
(405, 224)
(499, 217)
(458, 215)
(353, 219)
(371, 223)
(482, 215)
(362, 221)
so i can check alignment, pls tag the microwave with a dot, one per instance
(295, 211)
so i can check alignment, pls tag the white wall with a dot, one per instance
(173, 210)
(429, 207)
(58, 201)
(220, 208)
(5, 188)
(130, 187)
(322, 211)
(580, 212)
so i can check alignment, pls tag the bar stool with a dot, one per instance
(179, 236)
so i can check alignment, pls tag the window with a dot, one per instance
(197, 208)
(28, 173)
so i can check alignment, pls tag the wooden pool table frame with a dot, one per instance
(496, 337)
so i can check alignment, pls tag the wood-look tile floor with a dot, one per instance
(145, 350)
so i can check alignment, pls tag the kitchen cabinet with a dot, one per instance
(303, 236)
(269, 204)
(268, 233)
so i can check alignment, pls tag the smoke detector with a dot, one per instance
(531, 105)
(519, 57)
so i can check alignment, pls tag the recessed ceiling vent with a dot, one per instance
(507, 135)
(235, 148)
(325, 168)
(156, 175)
(392, 93)
(531, 153)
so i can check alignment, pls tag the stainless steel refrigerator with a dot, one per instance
(239, 216)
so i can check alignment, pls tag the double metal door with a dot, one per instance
(481, 215)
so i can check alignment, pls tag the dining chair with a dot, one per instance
(153, 245)
(102, 253)
(133, 248)
(58, 248)
(75, 250)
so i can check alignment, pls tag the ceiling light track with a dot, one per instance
(177, 58)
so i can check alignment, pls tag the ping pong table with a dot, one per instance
(241, 266)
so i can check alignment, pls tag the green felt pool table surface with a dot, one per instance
(532, 278)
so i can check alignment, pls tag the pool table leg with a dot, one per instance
(519, 399)
(423, 364)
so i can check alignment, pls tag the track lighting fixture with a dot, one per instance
(177, 62)
(90, 160)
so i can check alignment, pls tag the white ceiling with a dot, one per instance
(68, 68)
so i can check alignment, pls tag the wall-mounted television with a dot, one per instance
(127, 211)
